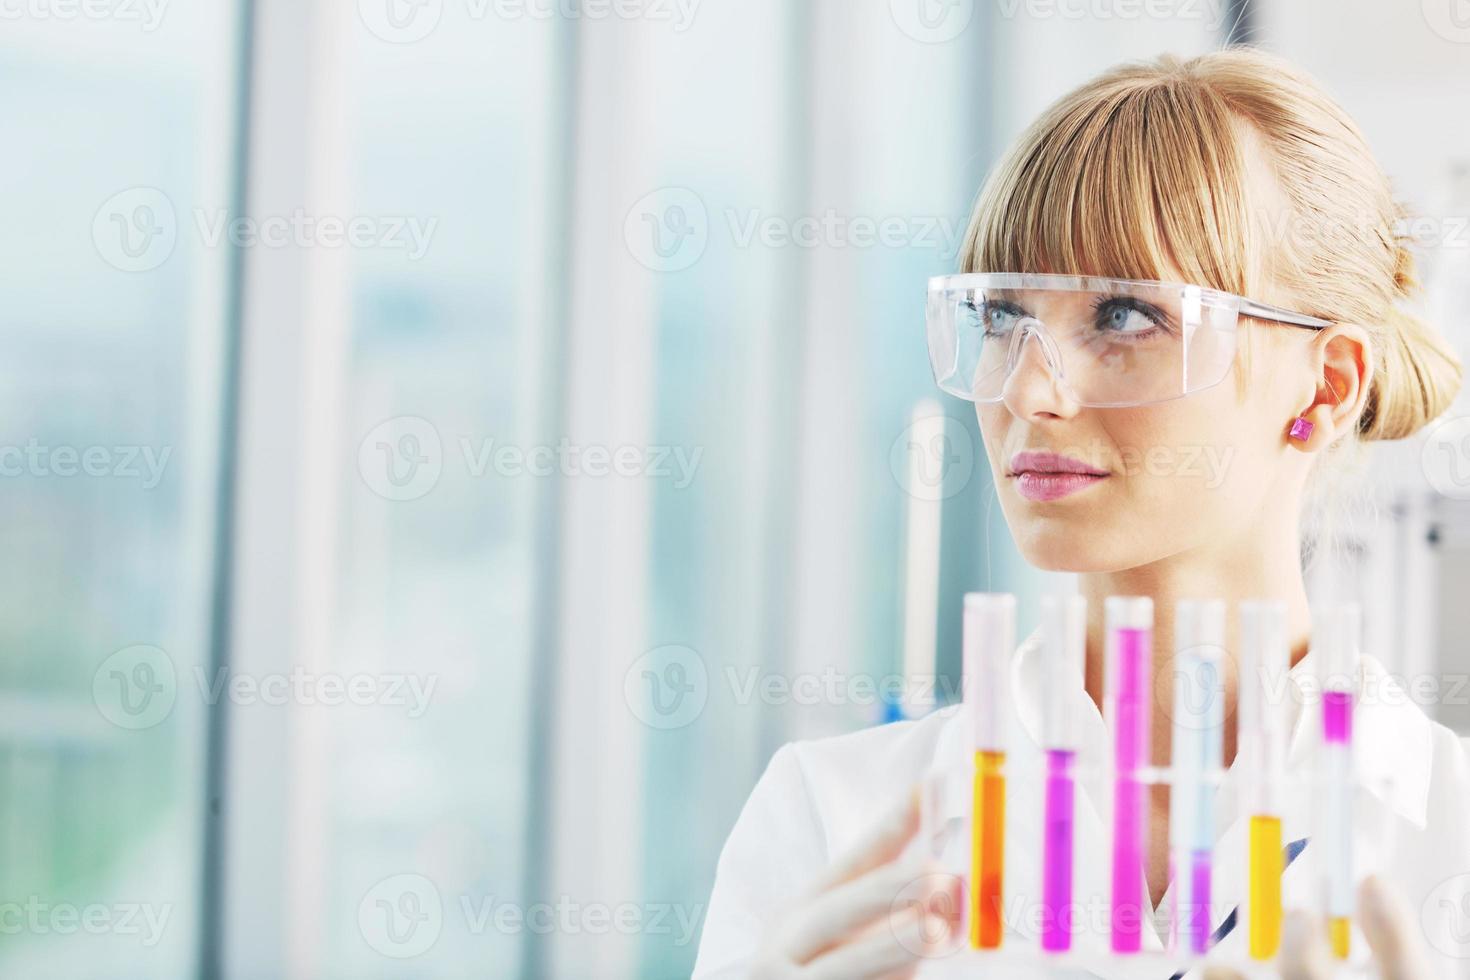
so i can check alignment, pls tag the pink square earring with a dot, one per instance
(1301, 429)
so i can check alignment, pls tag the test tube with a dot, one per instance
(1197, 751)
(1261, 707)
(1337, 644)
(1064, 649)
(1128, 700)
(989, 636)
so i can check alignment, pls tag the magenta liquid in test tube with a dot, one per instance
(1063, 647)
(1128, 701)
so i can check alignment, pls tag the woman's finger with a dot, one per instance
(909, 935)
(882, 843)
(834, 915)
(1304, 953)
(1222, 973)
(1391, 932)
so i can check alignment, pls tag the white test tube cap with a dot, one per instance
(1336, 632)
(989, 638)
(1262, 669)
(1063, 657)
(1125, 612)
(1199, 688)
(1129, 612)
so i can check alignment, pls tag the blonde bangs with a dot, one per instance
(1135, 176)
(1234, 170)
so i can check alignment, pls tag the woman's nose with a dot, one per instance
(1036, 386)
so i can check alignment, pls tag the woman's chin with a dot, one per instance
(1074, 550)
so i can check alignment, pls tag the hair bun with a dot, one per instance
(1415, 381)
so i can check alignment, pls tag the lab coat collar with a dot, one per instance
(1392, 737)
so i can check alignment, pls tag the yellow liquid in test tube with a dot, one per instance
(1267, 862)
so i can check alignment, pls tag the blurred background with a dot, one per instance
(450, 444)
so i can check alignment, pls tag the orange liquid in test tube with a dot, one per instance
(988, 640)
(988, 854)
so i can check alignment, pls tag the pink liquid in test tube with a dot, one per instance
(1130, 671)
(1064, 642)
(1056, 885)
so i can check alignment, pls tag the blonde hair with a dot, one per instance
(1159, 150)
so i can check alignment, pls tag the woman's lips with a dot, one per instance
(1044, 476)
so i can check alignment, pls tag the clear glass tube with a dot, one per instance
(1199, 717)
(1337, 646)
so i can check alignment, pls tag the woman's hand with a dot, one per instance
(1398, 953)
(873, 913)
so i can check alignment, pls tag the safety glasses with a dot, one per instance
(1107, 343)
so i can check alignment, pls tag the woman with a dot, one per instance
(1234, 173)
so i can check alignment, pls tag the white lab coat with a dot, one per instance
(818, 797)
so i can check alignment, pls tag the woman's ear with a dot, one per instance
(1341, 361)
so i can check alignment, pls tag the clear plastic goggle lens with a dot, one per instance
(1104, 342)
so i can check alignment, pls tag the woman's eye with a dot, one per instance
(1125, 316)
(1000, 318)
(990, 319)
